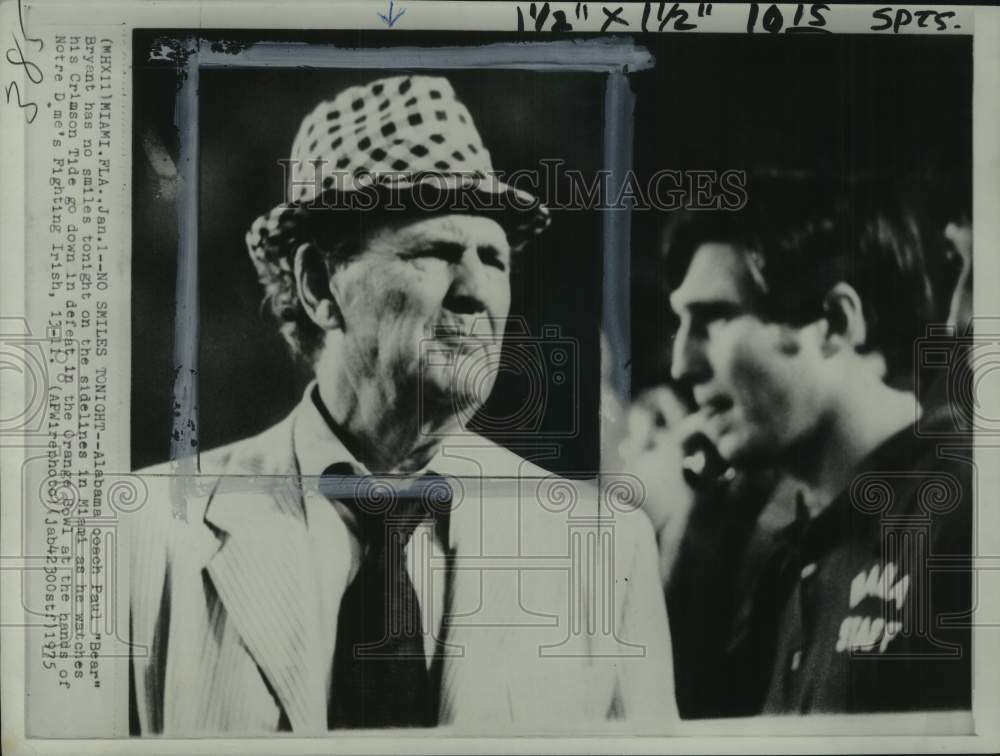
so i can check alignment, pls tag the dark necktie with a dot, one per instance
(380, 675)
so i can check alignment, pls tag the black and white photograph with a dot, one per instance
(369, 287)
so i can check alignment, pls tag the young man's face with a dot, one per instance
(758, 385)
(424, 307)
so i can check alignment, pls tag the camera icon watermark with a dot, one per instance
(32, 366)
(964, 370)
(464, 367)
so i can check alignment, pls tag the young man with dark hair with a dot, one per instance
(798, 321)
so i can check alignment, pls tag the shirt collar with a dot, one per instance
(316, 445)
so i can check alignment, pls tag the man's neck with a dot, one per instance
(387, 436)
(825, 464)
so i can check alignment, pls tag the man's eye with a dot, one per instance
(494, 259)
(717, 313)
(438, 252)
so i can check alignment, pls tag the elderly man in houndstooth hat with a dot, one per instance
(397, 582)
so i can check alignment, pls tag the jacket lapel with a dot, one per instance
(494, 677)
(264, 576)
(475, 687)
(464, 679)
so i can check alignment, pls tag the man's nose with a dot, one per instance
(467, 293)
(687, 358)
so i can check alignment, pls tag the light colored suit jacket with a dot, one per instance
(556, 620)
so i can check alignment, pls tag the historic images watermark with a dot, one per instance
(558, 187)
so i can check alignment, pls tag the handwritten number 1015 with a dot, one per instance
(774, 22)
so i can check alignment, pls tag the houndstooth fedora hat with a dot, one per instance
(398, 138)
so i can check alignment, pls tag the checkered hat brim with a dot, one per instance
(395, 137)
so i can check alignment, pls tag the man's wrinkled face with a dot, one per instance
(424, 305)
(758, 384)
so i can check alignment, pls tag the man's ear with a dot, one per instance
(845, 318)
(312, 279)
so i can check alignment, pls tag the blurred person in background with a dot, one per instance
(714, 527)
